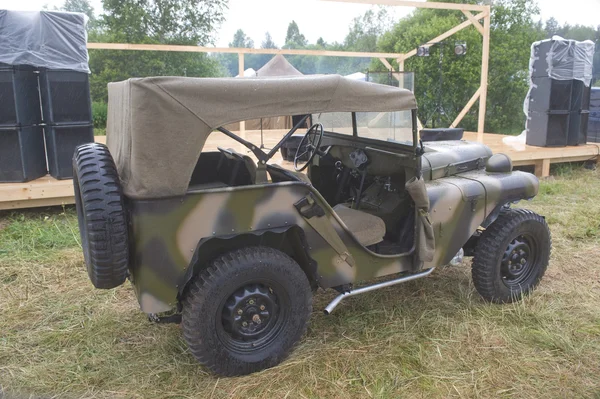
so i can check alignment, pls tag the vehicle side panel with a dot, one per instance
(166, 233)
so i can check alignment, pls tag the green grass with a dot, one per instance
(428, 338)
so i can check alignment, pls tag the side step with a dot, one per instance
(336, 301)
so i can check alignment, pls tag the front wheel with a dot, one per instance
(246, 311)
(511, 256)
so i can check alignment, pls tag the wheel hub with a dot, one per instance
(517, 260)
(250, 313)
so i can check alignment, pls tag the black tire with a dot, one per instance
(101, 215)
(218, 294)
(511, 256)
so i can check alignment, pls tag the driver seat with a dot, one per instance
(368, 229)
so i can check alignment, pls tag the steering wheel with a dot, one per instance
(308, 146)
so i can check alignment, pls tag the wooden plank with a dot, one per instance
(386, 64)
(474, 21)
(537, 171)
(485, 58)
(37, 202)
(446, 34)
(44, 187)
(241, 73)
(418, 4)
(235, 50)
(467, 107)
(545, 167)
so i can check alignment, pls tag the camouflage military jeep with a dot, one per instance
(236, 245)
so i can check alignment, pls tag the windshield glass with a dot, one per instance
(386, 126)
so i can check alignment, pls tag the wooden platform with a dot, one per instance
(48, 191)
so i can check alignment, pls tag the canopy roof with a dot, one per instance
(157, 127)
(278, 66)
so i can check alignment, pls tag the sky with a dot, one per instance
(329, 20)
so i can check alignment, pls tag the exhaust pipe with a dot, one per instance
(336, 301)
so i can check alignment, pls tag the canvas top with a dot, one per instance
(157, 126)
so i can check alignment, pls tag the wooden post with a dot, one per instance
(241, 73)
(485, 58)
(401, 64)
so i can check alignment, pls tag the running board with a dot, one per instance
(336, 301)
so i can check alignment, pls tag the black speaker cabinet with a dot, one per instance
(19, 97)
(556, 128)
(553, 95)
(65, 97)
(540, 62)
(22, 155)
(61, 141)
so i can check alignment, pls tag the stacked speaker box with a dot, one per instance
(67, 114)
(594, 116)
(558, 110)
(22, 155)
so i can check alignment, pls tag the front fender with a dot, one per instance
(460, 204)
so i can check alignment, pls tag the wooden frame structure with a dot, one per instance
(483, 12)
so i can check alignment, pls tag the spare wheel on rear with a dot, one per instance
(101, 214)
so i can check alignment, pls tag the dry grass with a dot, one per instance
(429, 338)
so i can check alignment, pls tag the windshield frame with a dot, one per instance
(415, 138)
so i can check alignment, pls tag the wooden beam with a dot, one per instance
(474, 21)
(466, 108)
(234, 50)
(241, 72)
(485, 59)
(386, 64)
(418, 4)
(447, 34)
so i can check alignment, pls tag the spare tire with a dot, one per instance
(101, 214)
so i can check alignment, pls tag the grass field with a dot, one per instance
(428, 338)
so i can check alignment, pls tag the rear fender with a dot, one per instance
(289, 239)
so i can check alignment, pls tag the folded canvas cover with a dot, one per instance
(157, 126)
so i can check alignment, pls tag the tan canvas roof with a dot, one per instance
(157, 126)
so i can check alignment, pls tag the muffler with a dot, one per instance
(336, 301)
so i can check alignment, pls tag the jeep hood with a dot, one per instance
(447, 158)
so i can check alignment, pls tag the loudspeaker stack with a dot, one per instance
(45, 105)
(558, 109)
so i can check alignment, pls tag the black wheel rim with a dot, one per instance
(518, 261)
(253, 316)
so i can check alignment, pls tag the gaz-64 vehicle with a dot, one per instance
(237, 245)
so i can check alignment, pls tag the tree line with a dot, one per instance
(444, 82)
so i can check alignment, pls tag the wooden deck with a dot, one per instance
(48, 191)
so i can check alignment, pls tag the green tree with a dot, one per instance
(268, 42)
(293, 38)
(513, 29)
(184, 22)
(240, 40)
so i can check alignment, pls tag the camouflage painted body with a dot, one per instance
(169, 235)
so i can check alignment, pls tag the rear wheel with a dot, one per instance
(511, 256)
(245, 311)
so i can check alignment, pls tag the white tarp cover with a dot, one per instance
(44, 39)
(157, 127)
